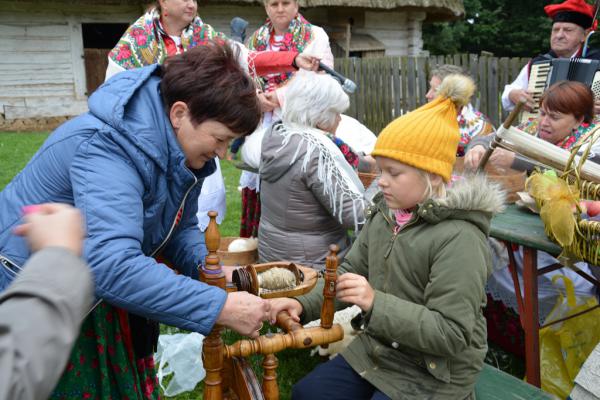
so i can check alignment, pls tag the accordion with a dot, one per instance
(545, 73)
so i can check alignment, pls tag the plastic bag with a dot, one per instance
(180, 354)
(565, 346)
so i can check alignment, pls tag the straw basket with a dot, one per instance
(235, 257)
(586, 240)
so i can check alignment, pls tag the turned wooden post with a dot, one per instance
(269, 385)
(212, 349)
(328, 308)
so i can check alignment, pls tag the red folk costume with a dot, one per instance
(301, 36)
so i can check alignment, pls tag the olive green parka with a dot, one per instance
(425, 335)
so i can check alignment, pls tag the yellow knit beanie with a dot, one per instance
(427, 138)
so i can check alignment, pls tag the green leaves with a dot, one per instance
(506, 28)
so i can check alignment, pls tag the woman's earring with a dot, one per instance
(165, 13)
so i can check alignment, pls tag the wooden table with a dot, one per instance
(518, 226)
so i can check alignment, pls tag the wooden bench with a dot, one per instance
(494, 384)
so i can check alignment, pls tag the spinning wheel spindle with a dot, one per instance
(506, 125)
(212, 349)
(328, 308)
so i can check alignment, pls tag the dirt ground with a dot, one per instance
(31, 124)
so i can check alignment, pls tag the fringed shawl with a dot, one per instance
(340, 181)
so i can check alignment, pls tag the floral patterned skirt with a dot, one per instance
(102, 363)
(504, 327)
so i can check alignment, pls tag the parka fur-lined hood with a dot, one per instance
(473, 198)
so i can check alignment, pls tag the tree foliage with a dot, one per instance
(503, 27)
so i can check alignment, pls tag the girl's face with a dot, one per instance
(554, 126)
(403, 186)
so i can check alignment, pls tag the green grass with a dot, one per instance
(15, 151)
(17, 148)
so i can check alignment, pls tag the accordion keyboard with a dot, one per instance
(546, 73)
(539, 75)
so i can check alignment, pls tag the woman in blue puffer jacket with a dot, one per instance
(134, 166)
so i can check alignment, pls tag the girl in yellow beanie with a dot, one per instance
(417, 271)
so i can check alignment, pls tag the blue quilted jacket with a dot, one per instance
(122, 166)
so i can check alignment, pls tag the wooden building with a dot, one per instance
(54, 51)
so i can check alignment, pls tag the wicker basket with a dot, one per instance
(586, 240)
(238, 257)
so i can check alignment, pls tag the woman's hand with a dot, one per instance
(292, 306)
(52, 224)
(473, 157)
(355, 289)
(268, 101)
(309, 63)
(502, 158)
(244, 313)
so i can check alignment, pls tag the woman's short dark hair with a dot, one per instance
(570, 97)
(209, 79)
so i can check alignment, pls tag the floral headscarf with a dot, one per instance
(142, 44)
(298, 36)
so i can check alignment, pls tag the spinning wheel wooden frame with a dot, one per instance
(228, 373)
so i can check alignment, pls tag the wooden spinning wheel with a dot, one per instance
(228, 373)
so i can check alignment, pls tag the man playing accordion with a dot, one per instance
(571, 22)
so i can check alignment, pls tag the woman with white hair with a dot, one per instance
(310, 192)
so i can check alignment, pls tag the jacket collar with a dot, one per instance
(473, 199)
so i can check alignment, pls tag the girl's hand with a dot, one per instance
(292, 306)
(267, 102)
(355, 289)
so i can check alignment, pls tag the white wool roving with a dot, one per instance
(276, 279)
(342, 317)
(243, 244)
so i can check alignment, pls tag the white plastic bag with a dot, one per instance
(180, 354)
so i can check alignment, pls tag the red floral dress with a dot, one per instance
(103, 365)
